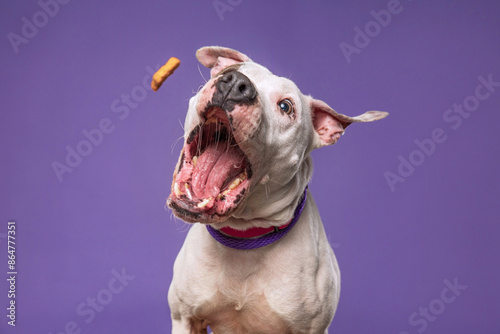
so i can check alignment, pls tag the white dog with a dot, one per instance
(259, 260)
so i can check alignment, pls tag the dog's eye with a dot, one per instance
(286, 106)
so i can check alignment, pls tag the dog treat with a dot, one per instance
(164, 72)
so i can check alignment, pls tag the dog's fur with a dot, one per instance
(292, 285)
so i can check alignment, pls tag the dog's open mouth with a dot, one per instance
(213, 174)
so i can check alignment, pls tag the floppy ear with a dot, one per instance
(330, 125)
(217, 58)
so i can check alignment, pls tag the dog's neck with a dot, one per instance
(271, 204)
(257, 237)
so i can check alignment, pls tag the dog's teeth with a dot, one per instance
(204, 203)
(195, 159)
(177, 191)
(236, 182)
(187, 191)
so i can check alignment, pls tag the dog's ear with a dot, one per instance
(217, 58)
(330, 125)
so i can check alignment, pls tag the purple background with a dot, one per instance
(396, 247)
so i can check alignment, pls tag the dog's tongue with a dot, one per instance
(218, 163)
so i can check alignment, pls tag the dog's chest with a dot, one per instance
(243, 313)
(240, 304)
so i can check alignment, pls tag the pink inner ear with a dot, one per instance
(222, 63)
(327, 127)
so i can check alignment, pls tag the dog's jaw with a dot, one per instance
(214, 174)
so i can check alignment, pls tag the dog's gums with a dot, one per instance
(213, 173)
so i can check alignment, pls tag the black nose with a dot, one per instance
(236, 87)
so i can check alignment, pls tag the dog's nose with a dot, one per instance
(236, 87)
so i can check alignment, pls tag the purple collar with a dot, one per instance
(269, 238)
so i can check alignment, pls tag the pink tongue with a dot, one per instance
(216, 165)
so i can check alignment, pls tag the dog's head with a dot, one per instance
(246, 127)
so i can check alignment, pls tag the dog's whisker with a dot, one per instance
(266, 189)
(200, 138)
(202, 76)
(177, 140)
(276, 182)
(184, 227)
(198, 90)
(180, 123)
(174, 144)
(217, 134)
(177, 220)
